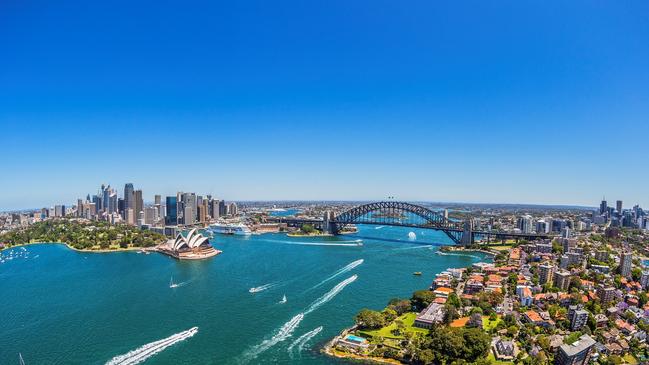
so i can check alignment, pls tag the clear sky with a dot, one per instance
(475, 101)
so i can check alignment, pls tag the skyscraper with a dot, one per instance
(128, 197)
(138, 201)
(223, 210)
(214, 209)
(618, 206)
(233, 209)
(171, 219)
(603, 207)
(189, 208)
(525, 224)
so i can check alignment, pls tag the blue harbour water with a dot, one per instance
(58, 306)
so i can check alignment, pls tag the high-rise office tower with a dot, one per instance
(603, 207)
(233, 209)
(138, 201)
(190, 209)
(223, 210)
(188, 215)
(129, 216)
(105, 198)
(618, 206)
(525, 224)
(157, 203)
(112, 202)
(128, 197)
(171, 218)
(214, 209)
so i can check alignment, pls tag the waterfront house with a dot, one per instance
(432, 314)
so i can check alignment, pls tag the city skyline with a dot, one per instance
(510, 103)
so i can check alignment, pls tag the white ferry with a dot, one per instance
(230, 228)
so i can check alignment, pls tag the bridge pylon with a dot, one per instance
(467, 235)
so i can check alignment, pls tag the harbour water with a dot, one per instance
(58, 306)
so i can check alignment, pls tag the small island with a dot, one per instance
(307, 230)
(82, 235)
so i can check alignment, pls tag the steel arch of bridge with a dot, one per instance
(434, 220)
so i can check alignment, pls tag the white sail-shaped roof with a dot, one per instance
(192, 240)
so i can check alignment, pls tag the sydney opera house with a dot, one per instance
(190, 246)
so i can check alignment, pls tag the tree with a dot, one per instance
(400, 306)
(369, 319)
(389, 315)
(450, 314)
(422, 298)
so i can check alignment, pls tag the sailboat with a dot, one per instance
(283, 299)
(172, 284)
(20, 358)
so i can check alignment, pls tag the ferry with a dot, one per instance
(229, 228)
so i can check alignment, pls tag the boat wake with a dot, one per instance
(458, 254)
(326, 244)
(178, 285)
(289, 327)
(379, 227)
(142, 353)
(348, 243)
(416, 246)
(282, 334)
(302, 340)
(332, 293)
(261, 288)
(284, 300)
(345, 269)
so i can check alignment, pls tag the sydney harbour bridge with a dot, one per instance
(402, 214)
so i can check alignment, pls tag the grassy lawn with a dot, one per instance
(630, 359)
(493, 360)
(408, 320)
(488, 325)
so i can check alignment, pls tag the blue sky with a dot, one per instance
(509, 101)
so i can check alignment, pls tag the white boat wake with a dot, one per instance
(353, 243)
(325, 244)
(142, 353)
(178, 285)
(283, 300)
(331, 294)
(416, 246)
(282, 334)
(302, 340)
(289, 327)
(345, 269)
(261, 288)
(379, 227)
(458, 254)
